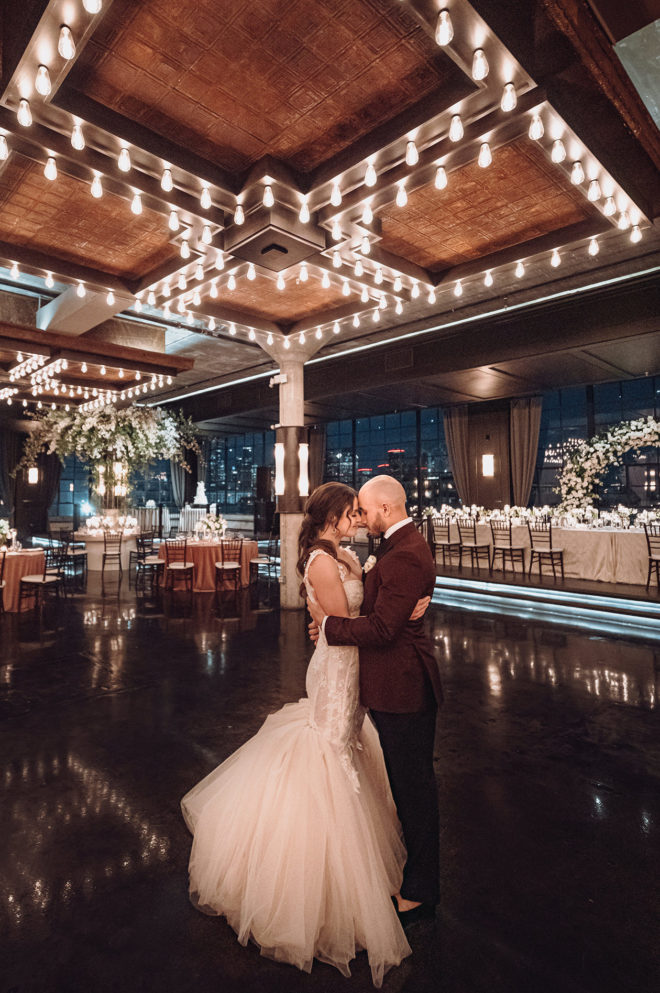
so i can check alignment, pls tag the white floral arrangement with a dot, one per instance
(212, 525)
(369, 564)
(98, 524)
(7, 534)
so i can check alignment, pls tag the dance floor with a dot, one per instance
(548, 773)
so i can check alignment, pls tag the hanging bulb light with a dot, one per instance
(345, 288)
(166, 181)
(251, 273)
(509, 99)
(365, 245)
(166, 309)
(356, 321)
(185, 249)
(558, 153)
(151, 298)
(4, 149)
(124, 160)
(182, 282)
(49, 281)
(211, 324)
(280, 282)
(480, 65)
(231, 282)
(412, 155)
(610, 207)
(401, 196)
(196, 299)
(325, 280)
(110, 299)
(488, 278)
(92, 6)
(335, 327)
(14, 272)
(359, 269)
(136, 204)
(50, 169)
(441, 178)
(213, 291)
(219, 262)
(555, 259)
(251, 334)
(375, 314)
(190, 320)
(42, 82)
(444, 29)
(485, 156)
(77, 138)
(414, 290)
(239, 214)
(594, 193)
(336, 260)
(319, 333)
(199, 272)
(269, 339)
(66, 46)
(207, 235)
(173, 222)
(577, 174)
(181, 305)
(378, 275)
(303, 215)
(636, 234)
(166, 289)
(399, 307)
(536, 129)
(205, 198)
(431, 296)
(367, 214)
(458, 289)
(80, 290)
(382, 302)
(520, 270)
(456, 128)
(370, 176)
(268, 198)
(301, 338)
(336, 230)
(624, 221)
(364, 296)
(24, 114)
(303, 275)
(335, 196)
(397, 284)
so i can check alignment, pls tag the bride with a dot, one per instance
(296, 839)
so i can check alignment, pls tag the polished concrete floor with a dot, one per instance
(548, 775)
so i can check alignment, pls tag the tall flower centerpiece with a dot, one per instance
(586, 467)
(114, 442)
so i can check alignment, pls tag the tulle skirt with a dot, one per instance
(294, 857)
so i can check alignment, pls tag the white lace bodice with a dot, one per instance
(332, 683)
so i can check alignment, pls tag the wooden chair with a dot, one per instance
(503, 545)
(652, 532)
(51, 580)
(540, 539)
(3, 556)
(421, 523)
(176, 564)
(269, 560)
(147, 562)
(75, 555)
(443, 541)
(230, 566)
(467, 532)
(111, 549)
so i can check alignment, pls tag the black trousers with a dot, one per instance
(407, 743)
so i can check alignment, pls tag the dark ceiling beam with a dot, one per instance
(39, 263)
(227, 314)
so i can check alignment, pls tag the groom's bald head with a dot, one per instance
(382, 501)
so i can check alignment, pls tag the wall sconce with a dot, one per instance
(279, 468)
(33, 475)
(303, 478)
(487, 465)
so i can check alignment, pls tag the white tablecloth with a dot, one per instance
(607, 555)
(190, 516)
(147, 518)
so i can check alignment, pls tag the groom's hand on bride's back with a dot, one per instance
(420, 608)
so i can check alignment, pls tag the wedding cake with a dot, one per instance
(200, 496)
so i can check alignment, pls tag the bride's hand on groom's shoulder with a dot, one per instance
(420, 608)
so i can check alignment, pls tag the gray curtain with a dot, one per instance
(524, 424)
(50, 470)
(178, 478)
(316, 456)
(11, 444)
(457, 435)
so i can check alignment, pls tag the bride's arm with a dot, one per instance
(328, 587)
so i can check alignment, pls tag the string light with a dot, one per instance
(211, 323)
(555, 259)
(577, 174)
(269, 339)
(239, 214)
(359, 269)
(136, 204)
(364, 296)
(382, 302)
(77, 138)
(624, 221)
(335, 327)
(137, 306)
(536, 129)
(185, 249)
(182, 282)
(92, 6)
(196, 298)
(110, 299)
(335, 195)
(397, 284)
(251, 334)
(336, 260)
(231, 282)
(458, 289)
(610, 207)
(594, 247)
(303, 275)
(66, 46)
(356, 321)
(301, 338)
(251, 273)
(173, 222)
(42, 82)
(399, 307)
(4, 149)
(414, 290)
(14, 272)
(199, 272)
(365, 245)
(401, 196)
(480, 65)
(124, 160)
(412, 155)
(378, 275)
(594, 192)
(520, 270)
(205, 198)
(488, 278)
(370, 176)
(50, 169)
(287, 343)
(80, 290)
(431, 296)
(268, 198)
(367, 213)
(636, 234)
(213, 291)
(441, 178)
(303, 215)
(558, 153)
(280, 282)
(375, 315)
(444, 29)
(207, 236)
(485, 156)
(166, 181)
(509, 99)
(219, 262)
(49, 281)
(24, 114)
(345, 288)
(336, 231)
(456, 128)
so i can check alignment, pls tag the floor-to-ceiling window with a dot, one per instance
(231, 471)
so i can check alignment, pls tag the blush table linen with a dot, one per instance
(204, 555)
(28, 562)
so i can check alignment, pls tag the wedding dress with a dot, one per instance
(296, 838)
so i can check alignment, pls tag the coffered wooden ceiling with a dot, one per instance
(236, 117)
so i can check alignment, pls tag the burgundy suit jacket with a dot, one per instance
(398, 670)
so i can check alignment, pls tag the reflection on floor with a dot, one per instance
(548, 768)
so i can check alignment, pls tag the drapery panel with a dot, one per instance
(11, 444)
(524, 426)
(317, 436)
(457, 435)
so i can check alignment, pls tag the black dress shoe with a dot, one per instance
(425, 912)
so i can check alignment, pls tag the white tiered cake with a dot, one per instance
(200, 496)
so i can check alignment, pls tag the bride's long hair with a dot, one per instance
(325, 506)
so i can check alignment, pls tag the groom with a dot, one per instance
(399, 681)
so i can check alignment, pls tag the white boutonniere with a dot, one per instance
(369, 564)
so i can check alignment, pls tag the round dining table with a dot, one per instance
(204, 555)
(26, 562)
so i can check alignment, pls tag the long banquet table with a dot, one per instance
(607, 555)
(204, 555)
(27, 562)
